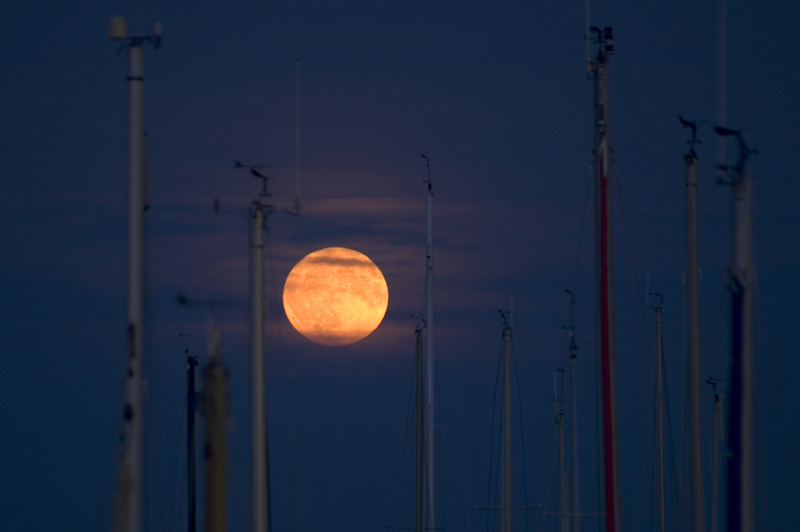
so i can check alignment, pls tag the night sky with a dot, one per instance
(496, 95)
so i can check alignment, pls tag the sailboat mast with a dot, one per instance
(740, 428)
(605, 274)
(660, 421)
(573, 384)
(693, 336)
(429, 362)
(558, 398)
(506, 428)
(419, 470)
(261, 517)
(128, 496)
(191, 362)
(718, 432)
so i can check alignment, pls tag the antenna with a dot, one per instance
(297, 202)
(588, 38)
(258, 175)
(660, 300)
(693, 125)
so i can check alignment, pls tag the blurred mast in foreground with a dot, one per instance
(741, 282)
(693, 336)
(215, 408)
(128, 492)
(603, 153)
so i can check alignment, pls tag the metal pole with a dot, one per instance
(128, 493)
(260, 444)
(693, 339)
(506, 429)
(660, 422)
(562, 473)
(718, 434)
(419, 470)
(740, 507)
(573, 387)
(605, 276)
(429, 365)
(191, 362)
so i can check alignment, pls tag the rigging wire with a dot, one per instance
(583, 226)
(636, 297)
(461, 450)
(288, 410)
(394, 513)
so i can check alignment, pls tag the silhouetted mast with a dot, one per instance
(741, 282)
(693, 336)
(259, 210)
(558, 400)
(573, 388)
(719, 432)
(659, 363)
(429, 362)
(258, 213)
(128, 493)
(603, 165)
(507, 329)
(191, 454)
(419, 460)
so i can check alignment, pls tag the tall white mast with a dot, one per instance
(429, 362)
(693, 336)
(128, 493)
(259, 211)
(741, 283)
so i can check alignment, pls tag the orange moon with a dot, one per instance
(335, 296)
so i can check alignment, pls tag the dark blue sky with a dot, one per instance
(496, 95)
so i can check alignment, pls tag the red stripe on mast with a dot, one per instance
(606, 323)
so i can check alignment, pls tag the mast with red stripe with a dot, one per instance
(598, 72)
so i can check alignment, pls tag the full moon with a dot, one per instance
(335, 296)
